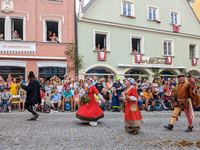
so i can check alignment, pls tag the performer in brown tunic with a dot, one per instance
(185, 96)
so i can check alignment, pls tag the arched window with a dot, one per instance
(99, 72)
(166, 72)
(135, 73)
(194, 73)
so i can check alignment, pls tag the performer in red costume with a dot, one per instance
(133, 118)
(90, 112)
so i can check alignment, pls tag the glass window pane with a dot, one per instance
(150, 14)
(172, 18)
(124, 8)
(129, 10)
(154, 14)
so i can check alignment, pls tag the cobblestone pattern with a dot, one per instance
(62, 131)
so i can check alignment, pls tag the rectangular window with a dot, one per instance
(100, 41)
(127, 9)
(167, 48)
(17, 29)
(192, 51)
(52, 31)
(152, 14)
(174, 18)
(136, 45)
(2, 28)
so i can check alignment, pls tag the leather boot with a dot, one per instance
(118, 110)
(31, 119)
(189, 129)
(114, 109)
(170, 126)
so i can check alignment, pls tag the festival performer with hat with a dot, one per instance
(185, 96)
(133, 118)
(33, 95)
(90, 112)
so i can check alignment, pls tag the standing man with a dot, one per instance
(173, 83)
(185, 97)
(94, 80)
(117, 87)
(99, 85)
(33, 95)
(123, 84)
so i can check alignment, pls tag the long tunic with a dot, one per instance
(90, 111)
(132, 119)
(13, 91)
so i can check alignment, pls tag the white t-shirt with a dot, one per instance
(59, 88)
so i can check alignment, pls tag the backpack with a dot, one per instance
(67, 106)
(4, 108)
(150, 108)
(158, 108)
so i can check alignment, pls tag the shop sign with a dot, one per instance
(17, 47)
(154, 60)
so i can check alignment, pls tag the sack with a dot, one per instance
(46, 108)
(4, 108)
(158, 108)
(133, 108)
(67, 106)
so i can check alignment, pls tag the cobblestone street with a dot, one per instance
(63, 131)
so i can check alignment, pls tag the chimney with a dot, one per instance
(81, 3)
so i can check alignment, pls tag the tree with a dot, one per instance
(156, 72)
(75, 59)
(183, 71)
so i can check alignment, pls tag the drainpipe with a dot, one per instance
(76, 33)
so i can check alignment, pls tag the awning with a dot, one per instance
(150, 66)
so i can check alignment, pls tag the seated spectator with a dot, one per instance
(143, 90)
(67, 97)
(148, 97)
(2, 84)
(140, 102)
(42, 95)
(77, 99)
(103, 82)
(98, 47)
(167, 94)
(173, 83)
(161, 91)
(139, 87)
(1, 36)
(60, 87)
(159, 80)
(81, 90)
(106, 95)
(56, 99)
(6, 97)
(155, 84)
(47, 87)
(22, 100)
(54, 37)
(49, 36)
(104, 49)
(16, 36)
(150, 86)
(169, 81)
(145, 83)
(158, 99)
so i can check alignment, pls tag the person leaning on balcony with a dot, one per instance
(16, 35)
(54, 37)
(1, 36)
(98, 47)
(49, 36)
(104, 49)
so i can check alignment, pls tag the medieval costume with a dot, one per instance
(133, 118)
(33, 95)
(90, 112)
(185, 96)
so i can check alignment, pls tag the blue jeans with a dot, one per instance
(140, 102)
(8, 103)
(116, 101)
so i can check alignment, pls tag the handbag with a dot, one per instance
(133, 108)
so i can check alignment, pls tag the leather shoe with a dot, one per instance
(189, 129)
(170, 126)
(31, 119)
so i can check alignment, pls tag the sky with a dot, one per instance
(77, 4)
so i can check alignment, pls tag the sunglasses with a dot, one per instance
(181, 76)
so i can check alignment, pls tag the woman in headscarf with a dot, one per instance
(133, 118)
(90, 112)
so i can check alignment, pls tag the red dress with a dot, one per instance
(90, 111)
(132, 119)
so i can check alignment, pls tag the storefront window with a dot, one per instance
(14, 71)
(194, 73)
(49, 72)
(167, 74)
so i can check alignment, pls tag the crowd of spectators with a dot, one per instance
(157, 95)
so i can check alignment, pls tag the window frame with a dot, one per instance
(5, 27)
(24, 26)
(157, 12)
(45, 29)
(132, 7)
(141, 42)
(178, 17)
(53, 1)
(196, 49)
(107, 39)
(172, 47)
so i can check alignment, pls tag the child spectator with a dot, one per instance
(154, 84)
(77, 99)
(142, 92)
(106, 95)
(158, 99)
(22, 100)
(167, 94)
(148, 97)
(161, 91)
(42, 94)
(81, 90)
